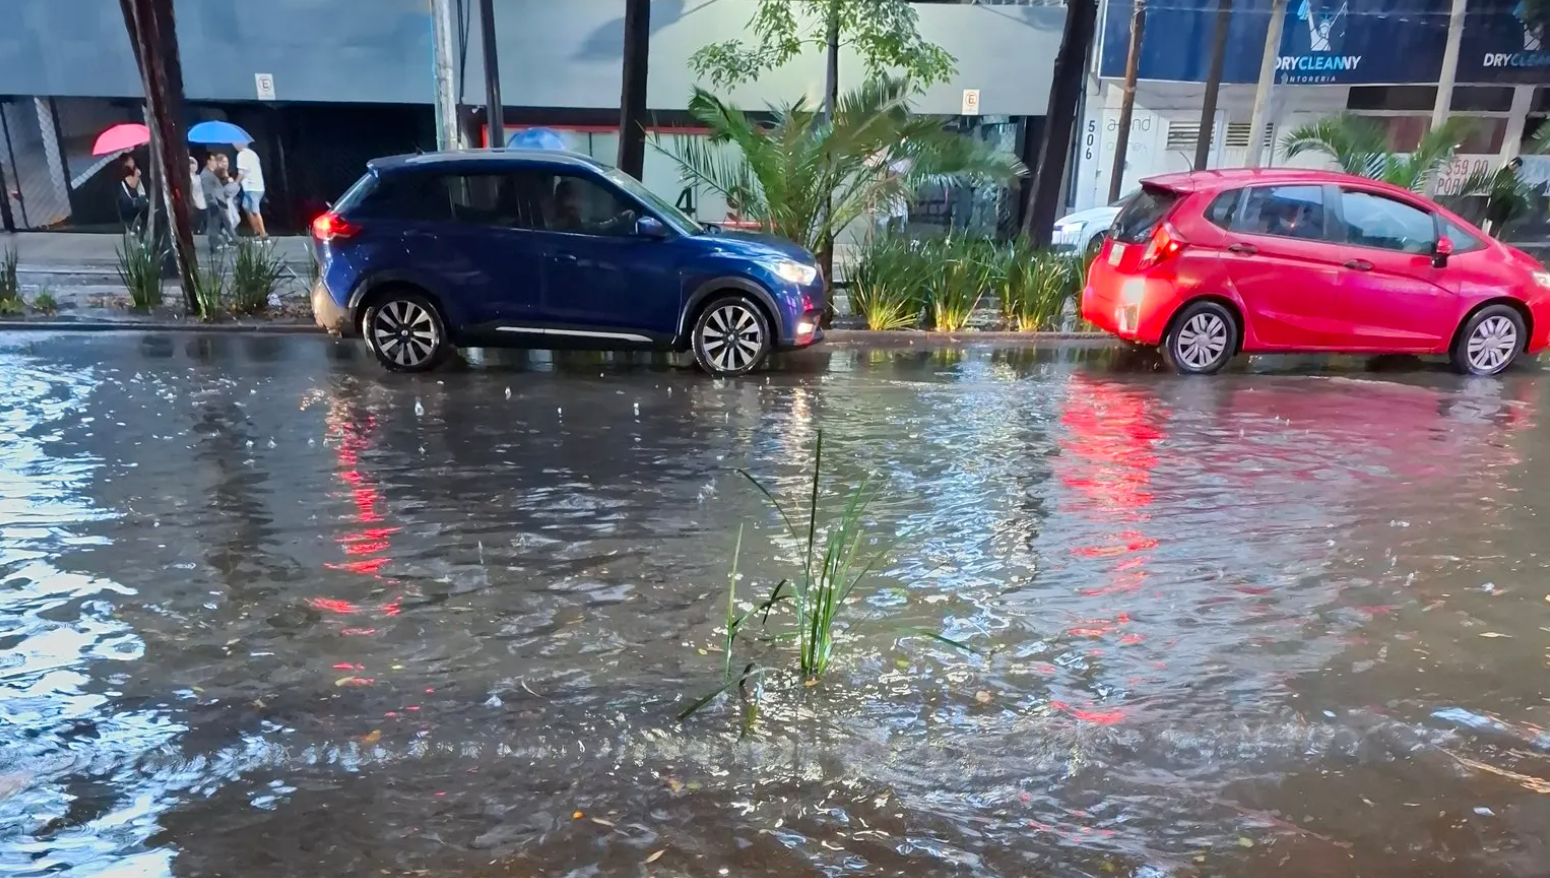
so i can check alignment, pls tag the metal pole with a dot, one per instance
(632, 96)
(495, 111)
(1127, 107)
(1267, 78)
(1213, 85)
(445, 94)
(1450, 65)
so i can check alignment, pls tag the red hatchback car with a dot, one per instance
(1212, 263)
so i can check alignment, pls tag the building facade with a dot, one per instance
(352, 79)
(1376, 58)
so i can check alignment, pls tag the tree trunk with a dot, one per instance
(1213, 85)
(831, 99)
(1069, 78)
(495, 109)
(156, 35)
(1127, 107)
(632, 96)
(1267, 78)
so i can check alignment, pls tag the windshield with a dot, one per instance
(685, 224)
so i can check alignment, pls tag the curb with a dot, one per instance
(834, 336)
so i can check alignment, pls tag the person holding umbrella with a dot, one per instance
(250, 177)
(250, 172)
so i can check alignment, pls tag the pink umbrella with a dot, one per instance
(121, 137)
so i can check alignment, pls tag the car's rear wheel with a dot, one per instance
(1492, 339)
(1201, 339)
(732, 336)
(406, 332)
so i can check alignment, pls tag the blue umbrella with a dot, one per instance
(218, 132)
(537, 138)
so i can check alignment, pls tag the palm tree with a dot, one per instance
(1359, 145)
(806, 177)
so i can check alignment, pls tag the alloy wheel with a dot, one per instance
(405, 333)
(1202, 341)
(1492, 344)
(732, 338)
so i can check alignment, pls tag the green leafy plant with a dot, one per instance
(255, 274)
(44, 302)
(959, 270)
(139, 268)
(805, 179)
(883, 33)
(886, 288)
(1033, 286)
(838, 557)
(210, 286)
(1359, 145)
(10, 286)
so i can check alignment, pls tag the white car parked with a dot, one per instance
(1078, 231)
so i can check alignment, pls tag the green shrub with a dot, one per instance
(957, 270)
(139, 268)
(1033, 286)
(887, 288)
(255, 274)
(45, 303)
(10, 287)
(210, 286)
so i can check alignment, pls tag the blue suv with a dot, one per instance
(541, 249)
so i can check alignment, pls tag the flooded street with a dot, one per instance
(268, 611)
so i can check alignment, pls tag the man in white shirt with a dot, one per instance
(250, 175)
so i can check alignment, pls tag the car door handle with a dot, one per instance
(1359, 265)
(1245, 249)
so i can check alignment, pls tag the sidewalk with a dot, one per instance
(61, 251)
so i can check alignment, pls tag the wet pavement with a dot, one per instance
(265, 610)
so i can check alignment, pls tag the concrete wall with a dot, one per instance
(554, 53)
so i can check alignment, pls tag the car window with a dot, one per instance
(1283, 212)
(508, 200)
(401, 196)
(1223, 206)
(580, 205)
(1464, 240)
(1373, 220)
(1135, 223)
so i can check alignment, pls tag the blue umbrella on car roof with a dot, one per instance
(537, 138)
(217, 131)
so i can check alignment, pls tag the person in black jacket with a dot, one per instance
(133, 205)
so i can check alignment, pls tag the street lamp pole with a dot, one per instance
(1127, 107)
(446, 94)
(495, 111)
(1267, 78)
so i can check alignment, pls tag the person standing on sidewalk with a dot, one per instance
(250, 175)
(133, 204)
(198, 208)
(218, 221)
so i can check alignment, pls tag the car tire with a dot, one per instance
(1202, 339)
(406, 332)
(731, 337)
(1491, 341)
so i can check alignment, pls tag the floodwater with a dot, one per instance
(267, 611)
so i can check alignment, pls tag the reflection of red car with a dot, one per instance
(1211, 263)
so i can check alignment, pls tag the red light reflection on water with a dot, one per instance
(367, 546)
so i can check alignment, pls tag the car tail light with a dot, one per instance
(331, 225)
(1165, 244)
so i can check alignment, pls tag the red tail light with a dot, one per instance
(331, 225)
(1165, 244)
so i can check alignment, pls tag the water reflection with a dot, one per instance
(268, 611)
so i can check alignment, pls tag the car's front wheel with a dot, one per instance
(1492, 339)
(406, 332)
(731, 337)
(1201, 339)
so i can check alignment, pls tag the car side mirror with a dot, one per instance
(1441, 251)
(650, 227)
